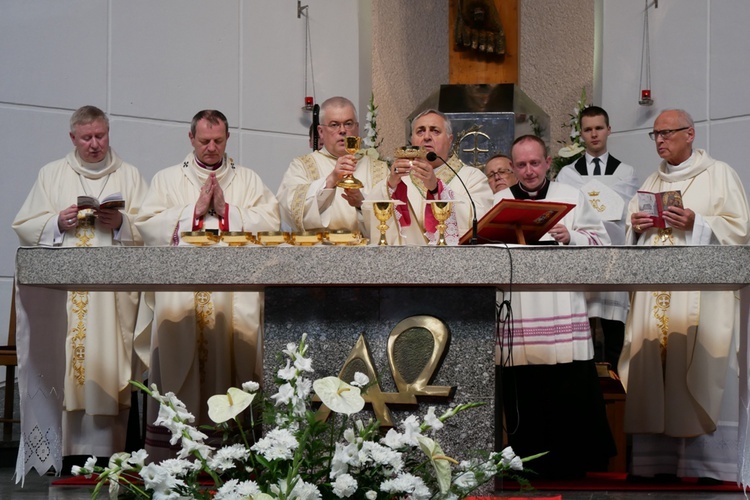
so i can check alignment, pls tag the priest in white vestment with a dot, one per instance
(98, 347)
(203, 342)
(679, 364)
(551, 394)
(619, 179)
(309, 198)
(418, 181)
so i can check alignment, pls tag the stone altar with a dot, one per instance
(381, 276)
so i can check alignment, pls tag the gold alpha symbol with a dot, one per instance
(416, 349)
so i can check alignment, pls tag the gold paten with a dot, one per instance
(237, 238)
(200, 238)
(343, 237)
(272, 238)
(307, 238)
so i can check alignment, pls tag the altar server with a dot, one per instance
(611, 308)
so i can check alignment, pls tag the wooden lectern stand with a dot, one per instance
(518, 221)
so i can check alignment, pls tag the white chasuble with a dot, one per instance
(99, 328)
(204, 342)
(307, 205)
(413, 223)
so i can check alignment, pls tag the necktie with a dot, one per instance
(597, 168)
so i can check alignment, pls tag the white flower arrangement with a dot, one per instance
(371, 142)
(570, 152)
(301, 457)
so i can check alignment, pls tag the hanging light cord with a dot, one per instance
(645, 52)
(308, 55)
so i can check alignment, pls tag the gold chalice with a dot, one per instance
(383, 212)
(441, 210)
(352, 143)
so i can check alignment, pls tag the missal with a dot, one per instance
(655, 204)
(114, 201)
(518, 221)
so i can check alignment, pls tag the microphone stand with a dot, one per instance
(432, 156)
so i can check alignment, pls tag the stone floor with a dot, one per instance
(40, 487)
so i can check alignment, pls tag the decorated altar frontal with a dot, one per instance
(337, 293)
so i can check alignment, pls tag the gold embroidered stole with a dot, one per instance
(79, 307)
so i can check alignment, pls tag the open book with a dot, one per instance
(114, 200)
(655, 204)
(518, 221)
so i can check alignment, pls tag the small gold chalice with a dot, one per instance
(352, 143)
(383, 210)
(441, 210)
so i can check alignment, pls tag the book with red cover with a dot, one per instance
(655, 204)
(518, 221)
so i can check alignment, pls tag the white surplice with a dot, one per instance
(553, 327)
(90, 392)
(607, 305)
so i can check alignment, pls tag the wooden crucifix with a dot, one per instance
(483, 41)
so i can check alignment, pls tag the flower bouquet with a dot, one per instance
(301, 456)
(572, 151)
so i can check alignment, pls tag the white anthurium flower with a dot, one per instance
(223, 407)
(338, 395)
(440, 461)
(360, 379)
(570, 150)
(250, 386)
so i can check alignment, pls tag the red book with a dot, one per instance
(655, 204)
(518, 221)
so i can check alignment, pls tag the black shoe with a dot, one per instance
(709, 481)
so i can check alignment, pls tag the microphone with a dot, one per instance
(315, 123)
(432, 156)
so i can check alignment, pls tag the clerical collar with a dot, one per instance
(522, 194)
(209, 167)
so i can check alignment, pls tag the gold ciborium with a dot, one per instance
(441, 210)
(410, 152)
(352, 143)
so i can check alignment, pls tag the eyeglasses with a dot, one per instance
(348, 125)
(499, 173)
(665, 134)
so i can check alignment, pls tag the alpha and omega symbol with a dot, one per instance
(416, 349)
